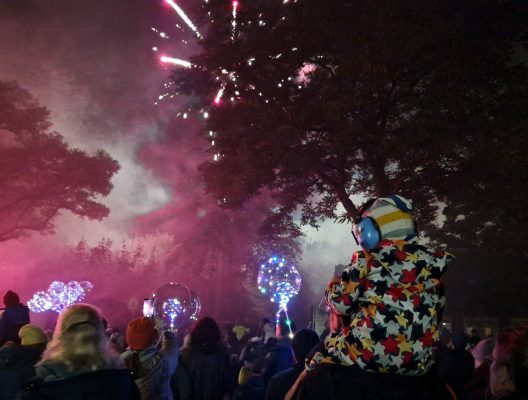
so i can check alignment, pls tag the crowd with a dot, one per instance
(84, 360)
(384, 341)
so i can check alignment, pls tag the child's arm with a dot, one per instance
(436, 265)
(341, 294)
(439, 262)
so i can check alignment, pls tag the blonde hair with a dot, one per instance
(79, 340)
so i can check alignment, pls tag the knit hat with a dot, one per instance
(393, 217)
(32, 334)
(11, 299)
(141, 333)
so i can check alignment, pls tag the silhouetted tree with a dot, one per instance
(40, 176)
(356, 97)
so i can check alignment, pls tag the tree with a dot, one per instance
(40, 176)
(356, 97)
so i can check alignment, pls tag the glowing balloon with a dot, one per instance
(172, 309)
(59, 296)
(40, 302)
(279, 280)
(176, 304)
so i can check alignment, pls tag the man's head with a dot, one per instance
(303, 342)
(509, 369)
(11, 299)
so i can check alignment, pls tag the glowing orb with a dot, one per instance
(59, 296)
(176, 304)
(279, 280)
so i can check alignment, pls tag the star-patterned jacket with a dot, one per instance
(393, 295)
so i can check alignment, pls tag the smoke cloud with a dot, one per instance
(92, 65)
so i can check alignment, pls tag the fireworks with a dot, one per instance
(219, 95)
(234, 20)
(231, 84)
(184, 16)
(175, 61)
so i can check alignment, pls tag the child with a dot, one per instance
(392, 292)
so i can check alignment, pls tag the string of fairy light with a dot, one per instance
(280, 281)
(59, 295)
(228, 80)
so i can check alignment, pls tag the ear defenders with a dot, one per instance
(366, 231)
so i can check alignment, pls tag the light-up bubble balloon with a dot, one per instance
(195, 307)
(86, 286)
(172, 309)
(40, 302)
(176, 304)
(56, 288)
(59, 296)
(280, 282)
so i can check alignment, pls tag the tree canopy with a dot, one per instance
(319, 103)
(40, 176)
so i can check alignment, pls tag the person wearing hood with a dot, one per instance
(392, 290)
(15, 316)
(206, 361)
(17, 363)
(393, 293)
(153, 366)
(78, 364)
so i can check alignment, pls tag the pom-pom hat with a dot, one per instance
(141, 333)
(11, 299)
